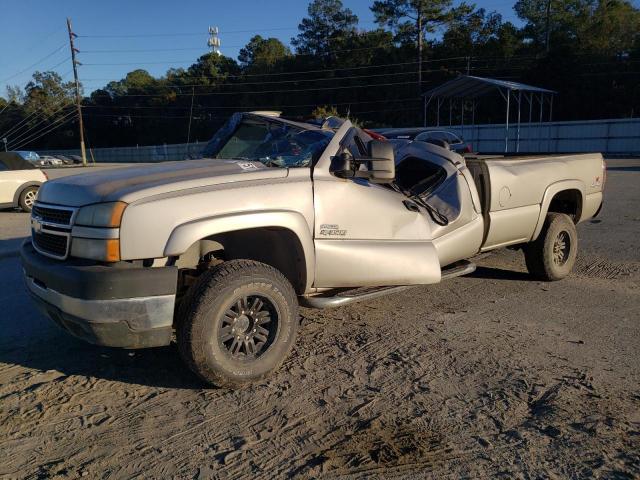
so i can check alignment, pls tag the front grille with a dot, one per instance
(52, 215)
(54, 245)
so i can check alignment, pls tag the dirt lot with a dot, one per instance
(492, 375)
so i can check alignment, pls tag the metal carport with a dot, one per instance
(467, 88)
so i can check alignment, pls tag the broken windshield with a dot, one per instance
(274, 143)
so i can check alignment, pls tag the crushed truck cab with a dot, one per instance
(220, 251)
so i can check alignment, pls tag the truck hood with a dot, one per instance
(133, 183)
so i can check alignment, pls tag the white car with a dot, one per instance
(19, 181)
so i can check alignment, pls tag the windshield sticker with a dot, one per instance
(247, 166)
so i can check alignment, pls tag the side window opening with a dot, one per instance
(419, 176)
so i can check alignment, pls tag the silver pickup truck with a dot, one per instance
(221, 251)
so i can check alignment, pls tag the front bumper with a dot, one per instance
(115, 306)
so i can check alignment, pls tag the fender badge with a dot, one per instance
(332, 230)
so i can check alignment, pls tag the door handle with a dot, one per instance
(412, 207)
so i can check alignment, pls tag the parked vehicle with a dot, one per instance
(439, 137)
(28, 155)
(222, 250)
(49, 160)
(19, 181)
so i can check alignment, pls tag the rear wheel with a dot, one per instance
(239, 324)
(552, 255)
(28, 198)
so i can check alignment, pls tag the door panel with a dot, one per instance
(362, 263)
(365, 235)
(9, 183)
(359, 210)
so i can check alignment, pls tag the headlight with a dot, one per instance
(95, 232)
(101, 215)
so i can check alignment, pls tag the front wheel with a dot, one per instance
(552, 255)
(239, 324)
(27, 198)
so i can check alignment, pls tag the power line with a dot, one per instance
(297, 54)
(25, 129)
(18, 136)
(34, 64)
(44, 133)
(69, 116)
(207, 94)
(179, 34)
(37, 111)
(39, 42)
(361, 67)
(302, 72)
(245, 107)
(198, 34)
(305, 80)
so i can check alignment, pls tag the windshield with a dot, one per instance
(274, 143)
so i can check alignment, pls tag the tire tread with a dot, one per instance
(189, 330)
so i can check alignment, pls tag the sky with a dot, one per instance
(117, 36)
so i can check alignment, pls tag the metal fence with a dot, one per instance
(613, 137)
(619, 136)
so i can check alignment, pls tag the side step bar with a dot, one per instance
(347, 297)
(458, 269)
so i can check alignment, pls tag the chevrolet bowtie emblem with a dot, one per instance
(36, 225)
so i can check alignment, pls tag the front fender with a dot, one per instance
(185, 235)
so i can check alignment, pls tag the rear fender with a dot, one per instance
(551, 192)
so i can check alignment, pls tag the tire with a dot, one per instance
(236, 299)
(27, 197)
(552, 255)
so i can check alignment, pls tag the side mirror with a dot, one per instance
(379, 166)
(343, 166)
(382, 162)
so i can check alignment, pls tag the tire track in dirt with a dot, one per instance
(413, 383)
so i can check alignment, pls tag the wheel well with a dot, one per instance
(21, 188)
(275, 246)
(569, 202)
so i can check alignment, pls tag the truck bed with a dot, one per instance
(512, 190)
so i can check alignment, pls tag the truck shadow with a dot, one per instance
(492, 273)
(153, 367)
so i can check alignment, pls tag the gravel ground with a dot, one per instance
(492, 375)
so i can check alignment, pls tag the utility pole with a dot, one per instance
(420, 42)
(78, 99)
(548, 26)
(193, 92)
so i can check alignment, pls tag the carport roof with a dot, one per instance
(467, 86)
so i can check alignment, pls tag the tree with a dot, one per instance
(413, 19)
(47, 93)
(592, 26)
(14, 94)
(262, 53)
(480, 33)
(325, 111)
(612, 29)
(553, 21)
(328, 25)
